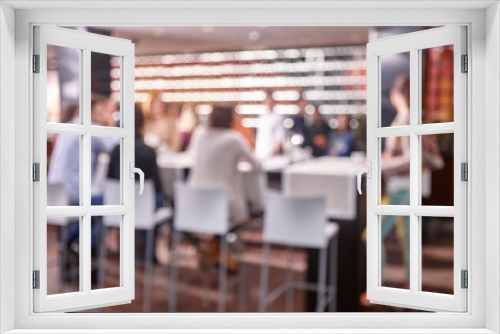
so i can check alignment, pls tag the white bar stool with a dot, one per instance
(203, 211)
(299, 222)
(146, 218)
(58, 196)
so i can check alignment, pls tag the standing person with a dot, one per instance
(316, 134)
(270, 131)
(162, 127)
(188, 121)
(396, 169)
(299, 122)
(341, 141)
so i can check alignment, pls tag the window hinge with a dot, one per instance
(36, 172)
(36, 279)
(464, 279)
(464, 171)
(465, 64)
(36, 63)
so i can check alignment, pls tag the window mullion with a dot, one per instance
(414, 255)
(85, 167)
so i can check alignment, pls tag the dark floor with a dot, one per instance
(437, 275)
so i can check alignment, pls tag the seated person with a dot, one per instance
(341, 141)
(216, 155)
(145, 159)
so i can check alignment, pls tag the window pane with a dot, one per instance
(437, 84)
(63, 167)
(395, 251)
(63, 84)
(106, 260)
(63, 256)
(106, 170)
(437, 254)
(395, 89)
(438, 169)
(395, 169)
(105, 87)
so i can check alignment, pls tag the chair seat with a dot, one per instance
(162, 214)
(331, 230)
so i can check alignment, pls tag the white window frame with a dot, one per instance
(413, 44)
(85, 43)
(483, 102)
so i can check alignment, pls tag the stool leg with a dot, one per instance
(64, 236)
(148, 274)
(264, 275)
(242, 279)
(289, 281)
(206, 277)
(102, 257)
(223, 274)
(172, 295)
(332, 307)
(320, 299)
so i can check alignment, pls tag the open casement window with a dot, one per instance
(417, 131)
(67, 199)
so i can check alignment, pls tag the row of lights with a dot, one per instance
(209, 57)
(286, 109)
(238, 69)
(244, 82)
(256, 95)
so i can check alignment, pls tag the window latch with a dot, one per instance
(133, 170)
(368, 171)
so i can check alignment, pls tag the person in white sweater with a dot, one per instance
(218, 151)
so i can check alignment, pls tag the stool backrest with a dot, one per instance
(57, 196)
(200, 210)
(295, 221)
(145, 204)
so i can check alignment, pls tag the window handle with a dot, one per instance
(133, 170)
(368, 171)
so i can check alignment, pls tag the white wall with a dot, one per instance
(492, 162)
(7, 189)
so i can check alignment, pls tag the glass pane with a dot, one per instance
(437, 84)
(106, 171)
(63, 84)
(63, 256)
(395, 257)
(395, 89)
(437, 254)
(437, 169)
(63, 169)
(105, 252)
(395, 169)
(105, 87)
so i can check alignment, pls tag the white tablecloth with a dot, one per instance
(333, 178)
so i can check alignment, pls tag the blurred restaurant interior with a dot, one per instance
(277, 116)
